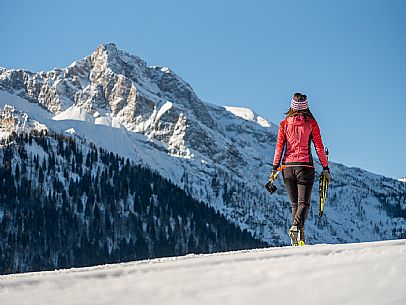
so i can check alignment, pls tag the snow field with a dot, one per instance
(365, 273)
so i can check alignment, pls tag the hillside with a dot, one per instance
(67, 204)
(364, 273)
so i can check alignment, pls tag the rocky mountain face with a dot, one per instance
(219, 155)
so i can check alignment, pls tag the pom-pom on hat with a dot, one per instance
(299, 102)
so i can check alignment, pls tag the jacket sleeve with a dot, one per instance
(280, 143)
(318, 144)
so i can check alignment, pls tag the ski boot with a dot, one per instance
(301, 241)
(294, 234)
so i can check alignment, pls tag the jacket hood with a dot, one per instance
(296, 120)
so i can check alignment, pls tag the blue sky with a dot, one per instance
(349, 57)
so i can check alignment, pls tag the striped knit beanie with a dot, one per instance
(301, 104)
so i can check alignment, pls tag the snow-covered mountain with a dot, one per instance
(351, 274)
(219, 155)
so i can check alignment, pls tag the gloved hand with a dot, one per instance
(326, 173)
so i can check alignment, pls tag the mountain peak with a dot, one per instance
(107, 50)
(108, 46)
(107, 55)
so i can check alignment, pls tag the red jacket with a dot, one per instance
(295, 136)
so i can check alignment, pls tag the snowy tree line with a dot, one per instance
(64, 204)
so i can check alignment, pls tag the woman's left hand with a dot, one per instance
(326, 173)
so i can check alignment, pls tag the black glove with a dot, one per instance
(326, 173)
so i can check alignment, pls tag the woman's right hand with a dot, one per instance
(273, 175)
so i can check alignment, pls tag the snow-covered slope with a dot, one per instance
(248, 114)
(365, 273)
(219, 155)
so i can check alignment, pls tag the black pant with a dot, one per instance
(299, 183)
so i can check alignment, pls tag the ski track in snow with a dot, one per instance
(364, 273)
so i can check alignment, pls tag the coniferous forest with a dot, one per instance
(66, 203)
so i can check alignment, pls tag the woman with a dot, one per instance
(295, 134)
